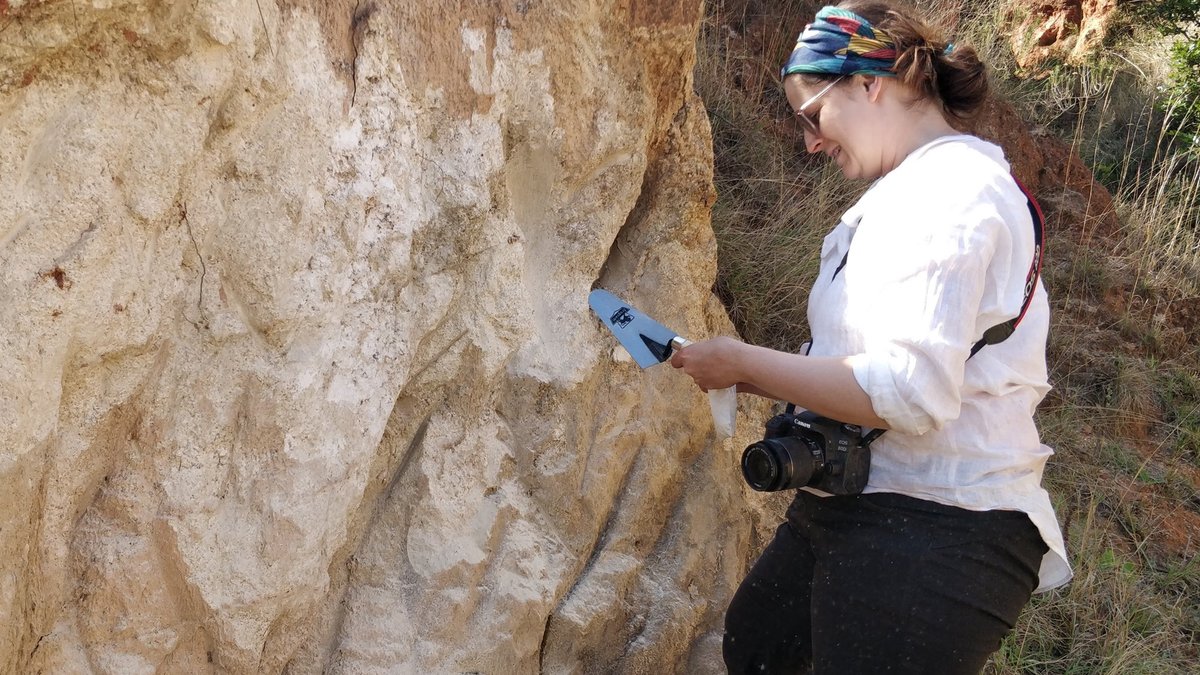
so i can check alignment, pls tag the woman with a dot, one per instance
(928, 569)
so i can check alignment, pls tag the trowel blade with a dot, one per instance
(646, 340)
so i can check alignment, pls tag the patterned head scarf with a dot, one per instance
(840, 42)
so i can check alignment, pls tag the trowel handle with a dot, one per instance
(679, 342)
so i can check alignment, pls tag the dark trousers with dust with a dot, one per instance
(882, 583)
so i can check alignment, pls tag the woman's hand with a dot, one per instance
(712, 364)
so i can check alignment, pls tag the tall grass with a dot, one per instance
(1124, 415)
(774, 203)
(1107, 621)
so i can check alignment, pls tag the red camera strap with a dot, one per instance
(1000, 332)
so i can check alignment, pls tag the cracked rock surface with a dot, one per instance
(297, 370)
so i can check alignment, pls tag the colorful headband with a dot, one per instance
(840, 42)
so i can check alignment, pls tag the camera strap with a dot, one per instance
(1000, 332)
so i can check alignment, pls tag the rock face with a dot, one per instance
(298, 372)
(1059, 29)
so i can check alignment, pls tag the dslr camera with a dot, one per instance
(805, 449)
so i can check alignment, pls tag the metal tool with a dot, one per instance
(651, 343)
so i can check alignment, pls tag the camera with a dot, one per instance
(805, 449)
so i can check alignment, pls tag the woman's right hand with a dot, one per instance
(712, 364)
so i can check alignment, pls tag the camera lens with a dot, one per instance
(779, 463)
(760, 467)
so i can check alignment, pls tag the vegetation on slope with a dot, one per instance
(1124, 416)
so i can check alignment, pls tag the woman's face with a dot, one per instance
(846, 122)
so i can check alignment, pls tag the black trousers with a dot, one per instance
(882, 583)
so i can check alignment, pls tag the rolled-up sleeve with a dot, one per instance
(916, 286)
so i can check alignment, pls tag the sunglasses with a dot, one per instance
(810, 124)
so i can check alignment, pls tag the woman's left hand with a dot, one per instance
(712, 364)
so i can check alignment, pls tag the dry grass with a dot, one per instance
(774, 204)
(1124, 415)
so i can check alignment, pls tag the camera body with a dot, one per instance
(805, 449)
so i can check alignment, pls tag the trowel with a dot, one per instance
(650, 343)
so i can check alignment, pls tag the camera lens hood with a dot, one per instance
(761, 467)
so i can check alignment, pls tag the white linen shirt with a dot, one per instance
(939, 250)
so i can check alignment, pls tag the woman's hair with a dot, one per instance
(925, 61)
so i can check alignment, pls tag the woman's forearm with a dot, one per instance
(747, 388)
(825, 385)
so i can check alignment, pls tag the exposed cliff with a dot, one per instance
(297, 369)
